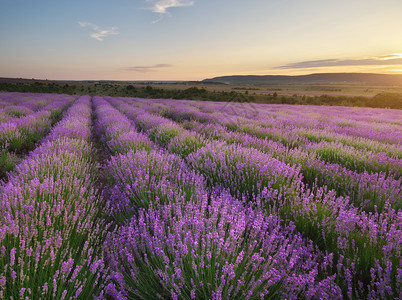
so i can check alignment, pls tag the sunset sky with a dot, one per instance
(197, 39)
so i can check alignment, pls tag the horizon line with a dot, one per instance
(187, 80)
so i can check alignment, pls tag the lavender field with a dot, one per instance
(130, 198)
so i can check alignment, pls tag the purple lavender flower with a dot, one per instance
(138, 179)
(50, 217)
(200, 249)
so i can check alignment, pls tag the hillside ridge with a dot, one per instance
(316, 78)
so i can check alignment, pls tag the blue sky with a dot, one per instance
(197, 39)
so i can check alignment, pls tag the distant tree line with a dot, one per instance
(382, 100)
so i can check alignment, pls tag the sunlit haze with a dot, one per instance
(197, 39)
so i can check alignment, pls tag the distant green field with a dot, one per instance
(335, 90)
(307, 94)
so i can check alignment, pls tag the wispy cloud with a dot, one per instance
(99, 33)
(161, 6)
(390, 60)
(144, 69)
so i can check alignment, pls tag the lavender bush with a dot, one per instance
(198, 200)
(51, 227)
(213, 250)
(366, 257)
(140, 179)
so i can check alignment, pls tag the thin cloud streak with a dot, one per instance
(99, 33)
(391, 56)
(392, 59)
(145, 69)
(161, 6)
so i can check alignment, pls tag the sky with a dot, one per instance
(197, 39)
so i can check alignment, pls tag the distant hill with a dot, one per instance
(320, 78)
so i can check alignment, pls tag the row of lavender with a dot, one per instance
(295, 126)
(370, 186)
(24, 120)
(378, 124)
(366, 246)
(25, 129)
(15, 105)
(211, 219)
(51, 213)
(179, 237)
